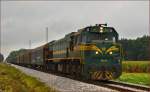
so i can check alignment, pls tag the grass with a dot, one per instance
(13, 80)
(136, 78)
(137, 72)
(136, 66)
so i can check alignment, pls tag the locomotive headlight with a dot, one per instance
(101, 28)
(96, 52)
(101, 31)
(110, 52)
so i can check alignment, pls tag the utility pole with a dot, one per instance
(0, 33)
(0, 36)
(29, 44)
(46, 34)
(0, 40)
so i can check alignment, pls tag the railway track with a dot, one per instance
(123, 87)
(138, 87)
(114, 85)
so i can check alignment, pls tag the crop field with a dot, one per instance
(136, 78)
(13, 80)
(137, 72)
(136, 66)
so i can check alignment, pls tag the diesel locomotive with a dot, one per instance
(92, 52)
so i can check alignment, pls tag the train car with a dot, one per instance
(24, 58)
(92, 52)
(39, 56)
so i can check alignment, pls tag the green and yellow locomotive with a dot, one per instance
(91, 53)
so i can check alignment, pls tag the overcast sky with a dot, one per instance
(22, 21)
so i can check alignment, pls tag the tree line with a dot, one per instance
(136, 49)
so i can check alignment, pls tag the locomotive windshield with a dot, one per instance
(99, 37)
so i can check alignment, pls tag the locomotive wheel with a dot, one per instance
(64, 68)
(71, 69)
(78, 71)
(67, 68)
(55, 67)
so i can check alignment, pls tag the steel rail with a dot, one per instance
(131, 85)
(123, 87)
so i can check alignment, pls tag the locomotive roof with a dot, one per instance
(91, 30)
(97, 26)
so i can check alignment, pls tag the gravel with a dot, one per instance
(63, 84)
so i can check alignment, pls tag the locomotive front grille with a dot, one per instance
(102, 75)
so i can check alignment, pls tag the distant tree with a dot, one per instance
(143, 48)
(136, 49)
(1, 57)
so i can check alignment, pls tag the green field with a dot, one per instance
(136, 78)
(13, 80)
(136, 66)
(137, 72)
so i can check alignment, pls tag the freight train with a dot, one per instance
(92, 52)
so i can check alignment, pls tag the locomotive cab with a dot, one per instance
(101, 52)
